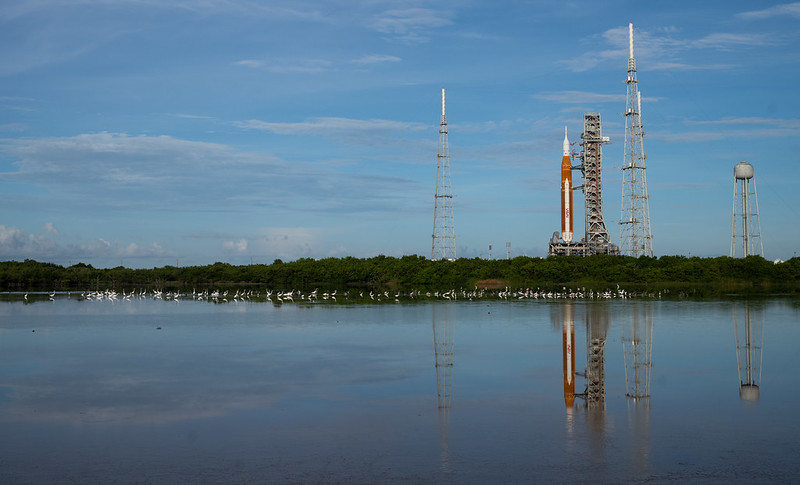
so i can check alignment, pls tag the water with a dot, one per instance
(151, 391)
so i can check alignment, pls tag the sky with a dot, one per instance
(147, 133)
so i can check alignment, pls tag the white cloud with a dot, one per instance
(239, 246)
(16, 244)
(787, 9)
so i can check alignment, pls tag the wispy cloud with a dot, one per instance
(750, 120)
(333, 126)
(129, 173)
(288, 66)
(664, 47)
(787, 9)
(679, 66)
(280, 9)
(726, 134)
(409, 25)
(377, 59)
(577, 97)
(13, 127)
(726, 41)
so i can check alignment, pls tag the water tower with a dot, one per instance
(745, 224)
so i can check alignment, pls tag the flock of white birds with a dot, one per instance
(277, 296)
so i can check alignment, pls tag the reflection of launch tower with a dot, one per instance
(444, 327)
(596, 239)
(749, 336)
(444, 233)
(635, 238)
(745, 212)
(637, 345)
(597, 324)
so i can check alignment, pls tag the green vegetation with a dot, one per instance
(415, 272)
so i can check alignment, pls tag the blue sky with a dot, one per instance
(147, 133)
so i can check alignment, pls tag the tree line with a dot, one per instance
(417, 272)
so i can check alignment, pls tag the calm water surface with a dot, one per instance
(151, 391)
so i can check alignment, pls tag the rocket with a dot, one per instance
(566, 192)
(568, 326)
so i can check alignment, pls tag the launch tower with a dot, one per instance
(596, 233)
(635, 238)
(596, 239)
(444, 233)
(745, 212)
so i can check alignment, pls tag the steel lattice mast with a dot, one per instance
(635, 236)
(444, 233)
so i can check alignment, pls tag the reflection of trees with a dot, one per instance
(444, 326)
(748, 326)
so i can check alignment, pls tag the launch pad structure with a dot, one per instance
(596, 239)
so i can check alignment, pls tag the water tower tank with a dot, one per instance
(743, 170)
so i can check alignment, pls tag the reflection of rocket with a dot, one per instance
(569, 356)
(566, 192)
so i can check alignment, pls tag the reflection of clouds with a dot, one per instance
(138, 386)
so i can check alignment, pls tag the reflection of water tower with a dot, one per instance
(745, 224)
(749, 336)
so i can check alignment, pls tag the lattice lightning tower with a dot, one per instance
(635, 236)
(444, 233)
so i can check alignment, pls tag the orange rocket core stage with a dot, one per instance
(566, 192)
(569, 357)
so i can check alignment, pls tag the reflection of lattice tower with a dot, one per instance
(444, 327)
(591, 167)
(745, 212)
(637, 346)
(597, 324)
(635, 237)
(444, 232)
(749, 338)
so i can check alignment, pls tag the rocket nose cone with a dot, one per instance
(566, 143)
